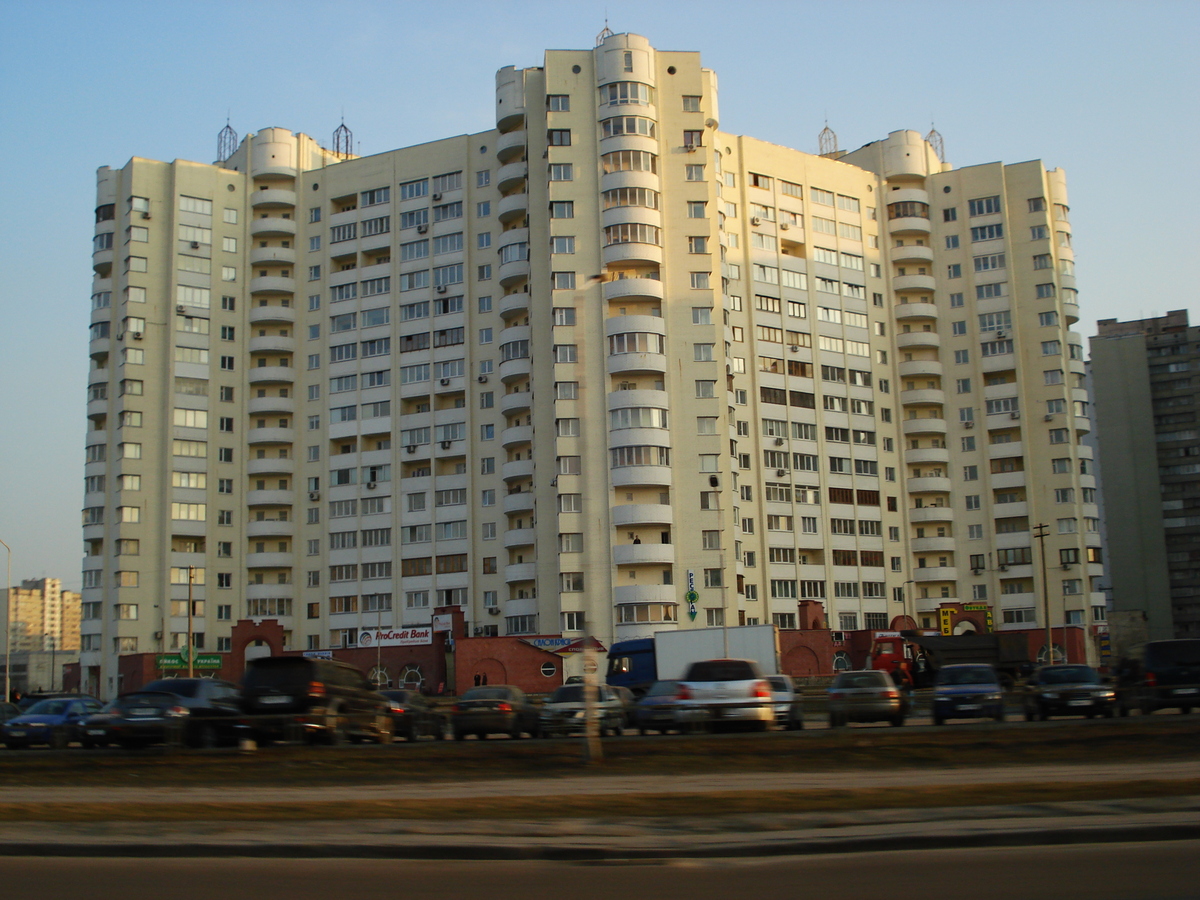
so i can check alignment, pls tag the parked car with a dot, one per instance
(564, 712)
(1067, 690)
(214, 715)
(788, 704)
(54, 722)
(137, 719)
(662, 709)
(728, 691)
(628, 702)
(869, 695)
(1170, 676)
(967, 691)
(413, 716)
(8, 711)
(28, 700)
(298, 697)
(495, 709)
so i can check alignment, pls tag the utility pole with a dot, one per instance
(8, 627)
(1039, 532)
(715, 483)
(190, 640)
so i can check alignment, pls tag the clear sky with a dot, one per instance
(1105, 90)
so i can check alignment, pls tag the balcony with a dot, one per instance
(512, 207)
(923, 397)
(633, 252)
(271, 466)
(1008, 480)
(912, 253)
(272, 226)
(642, 514)
(638, 288)
(261, 405)
(266, 590)
(270, 435)
(261, 315)
(515, 369)
(513, 305)
(517, 401)
(511, 273)
(931, 514)
(269, 560)
(932, 545)
(629, 476)
(928, 484)
(1011, 448)
(908, 225)
(924, 284)
(634, 363)
(270, 498)
(903, 311)
(924, 425)
(266, 256)
(511, 175)
(648, 593)
(643, 554)
(911, 367)
(918, 340)
(517, 470)
(510, 144)
(271, 375)
(272, 284)
(927, 455)
(519, 572)
(272, 343)
(272, 198)
(520, 537)
(518, 502)
(516, 437)
(935, 573)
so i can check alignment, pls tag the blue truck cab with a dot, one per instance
(632, 664)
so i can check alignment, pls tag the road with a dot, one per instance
(1130, 871)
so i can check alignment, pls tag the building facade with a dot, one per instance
(44, 616)
(1149, 446)
(563, 373)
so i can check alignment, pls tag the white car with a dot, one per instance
(728, 690)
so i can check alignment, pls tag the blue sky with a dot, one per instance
(1105, 90)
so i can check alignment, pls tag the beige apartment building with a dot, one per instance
(561, 372)
(44, 616)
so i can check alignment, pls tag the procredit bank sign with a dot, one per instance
(403, 637)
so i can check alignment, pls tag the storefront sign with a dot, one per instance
(414, 636)
(443, 622)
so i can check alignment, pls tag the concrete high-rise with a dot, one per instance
(561, 372)
(1149, 449)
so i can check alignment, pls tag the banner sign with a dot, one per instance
(413, 636)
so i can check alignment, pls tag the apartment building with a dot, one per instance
(44, 616)
(569, 372)
(1148, 451)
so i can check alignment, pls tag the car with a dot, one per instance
(967, 691)
(628, 702)
(662, 709)
(299, 697)
(1170, 676)
(413, 716)
(788, 704)
(564, 712)
(28, 700)
(137, 719)
(1067, 690)
(493, 709)
(214, 716)
(866, 695)
(8, 711)
(54, 722)
(728, 691)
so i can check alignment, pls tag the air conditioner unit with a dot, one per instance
(421, 229)
(1000, 335)
(441, 289)
(411, 448)
(1048, 417)
(478, 632)
(839, 637)
(370, 485)
(136, 335)
(779, 473)
(795, 348)
(445, 445)
(691, 148)
(778, 442)
(437, 195)
(314, 495)
(493, 610)
(482, 379)
(976, 571)
(1003, 568)
(784, 225)
(755, 220)
(145, 215)
(968, 424)
(195, 245)
(179, 307)
(157, 634)
(1066, 567)
(444, 382)
(1014, 415)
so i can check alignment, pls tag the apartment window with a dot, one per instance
(954, 271)
(984, 206)
(559, 137)
(562, 172)
(693, 138)
(693, 173)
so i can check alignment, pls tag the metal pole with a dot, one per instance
(190, 640)
(592, 752)
(715, 482)
(378, 649)
(1039, 532)
(8, 627)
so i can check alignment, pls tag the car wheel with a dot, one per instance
(207, 737)
(897, 721)
(834, 721)
(60, 739)
(938, 720)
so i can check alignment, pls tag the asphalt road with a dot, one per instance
(1130, 871)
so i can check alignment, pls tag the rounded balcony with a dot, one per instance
(922, 514)
(626, 215)
(924, 425)
(98, 347)
(510, 144)
(643, 554)
(925, 284)
(925, 455)
(908, 340)
(928, 484)
(266, 256)
(632, 252)
(271, 375)
(633, 399)
(634, 288)
(97, 407)
(648, 593)
(260, 405)
(923, 397)
(511, 273)
(511, 175)
(1007, 449)
(520, 537)
(271, 466)
(272, 284)
(912, 253)
(628, 178)
(267, 590)
(512, 207)
(512, 305)
(272, 225)
(912, 367)
(270, 498)
(932, 545)
(635, 363)
(270, 435)
(517, 470)
(272, 313)
(268, 560)
(631, 476)
(515, 369)
(269, 198)
(908, 225)
(272, 343)
(641, 514)
(903, 311)
(1008, 479)
(519, 572)
(102, 261)
(934, 573)
(518, 502)
(517, 401)
(516, 437)
(270, 528)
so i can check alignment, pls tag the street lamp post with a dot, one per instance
(1039, 532)
(8, 626)
(190, 640)
(715, 483)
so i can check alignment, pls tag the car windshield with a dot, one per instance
(1070, 675)
(663, 688)
(721, 670)
(1162, 654)
(568, 693)
(48, 708)
(182, 686)
(971, 675)
(487, 693)
(131, 701)
(398, 696)
(778, 683)
(860, 680)
(287, 673)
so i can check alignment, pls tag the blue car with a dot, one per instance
(967, 691)
(55, 722)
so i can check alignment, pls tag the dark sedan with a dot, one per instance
(136, 720)
(413, 716)
(1068, 690)
(55, 723)
(663, 708)
(497, 709)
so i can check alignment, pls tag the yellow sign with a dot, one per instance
(946, 618)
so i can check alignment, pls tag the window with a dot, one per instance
(559, 137)
(984, 206)
(562, 172)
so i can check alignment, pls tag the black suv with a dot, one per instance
(295, 697)
(1170, 676)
